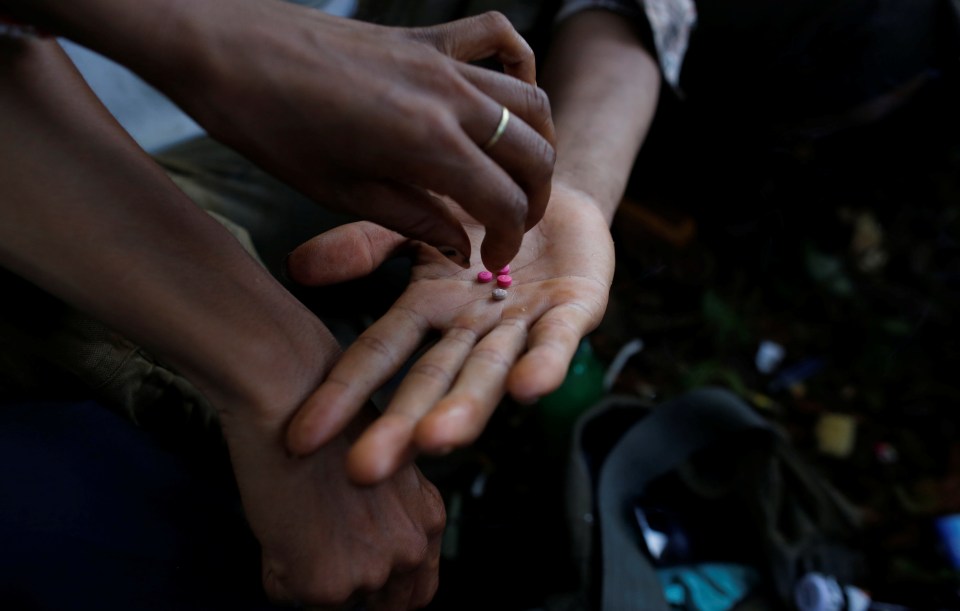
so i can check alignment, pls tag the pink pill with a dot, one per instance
(504, 270)
(504, 281)
(484, 276)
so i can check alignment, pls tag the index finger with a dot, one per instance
(365, 366)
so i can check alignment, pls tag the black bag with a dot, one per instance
(723, 471)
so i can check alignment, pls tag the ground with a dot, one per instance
(842, 251)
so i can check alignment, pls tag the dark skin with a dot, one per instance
(89, 217)
(315, 99)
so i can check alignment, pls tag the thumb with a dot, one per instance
(344, 253)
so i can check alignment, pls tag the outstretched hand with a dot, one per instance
(522, 345)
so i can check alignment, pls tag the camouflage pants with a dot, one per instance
(51, 351)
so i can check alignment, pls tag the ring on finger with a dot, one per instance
(501, 127)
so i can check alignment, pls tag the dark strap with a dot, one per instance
(655, 445)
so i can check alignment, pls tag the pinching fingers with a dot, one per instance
(528, 102)
(523, 144)
(488, 35)
(506, 187)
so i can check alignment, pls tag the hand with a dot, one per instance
(326, 541)
(375, 121)
(172, 279)
(523, 344)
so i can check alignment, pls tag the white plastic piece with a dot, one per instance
(769, 356)
(818, 592)
(620, 360)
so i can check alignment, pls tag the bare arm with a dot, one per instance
(86, 215)
(603, 86)
(89, 217)
(363, 118)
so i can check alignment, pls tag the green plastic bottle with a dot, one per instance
(582, 388)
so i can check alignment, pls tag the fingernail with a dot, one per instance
(454, 255)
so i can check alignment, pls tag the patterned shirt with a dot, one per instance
(671, 22)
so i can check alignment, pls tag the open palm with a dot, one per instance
(522, 345)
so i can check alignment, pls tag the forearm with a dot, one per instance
(89, 217)
(120, 30)
(176, 45)
(603, 86)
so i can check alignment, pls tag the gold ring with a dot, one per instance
(502, 127)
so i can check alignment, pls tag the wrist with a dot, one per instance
(603, 201)
(267, 370)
